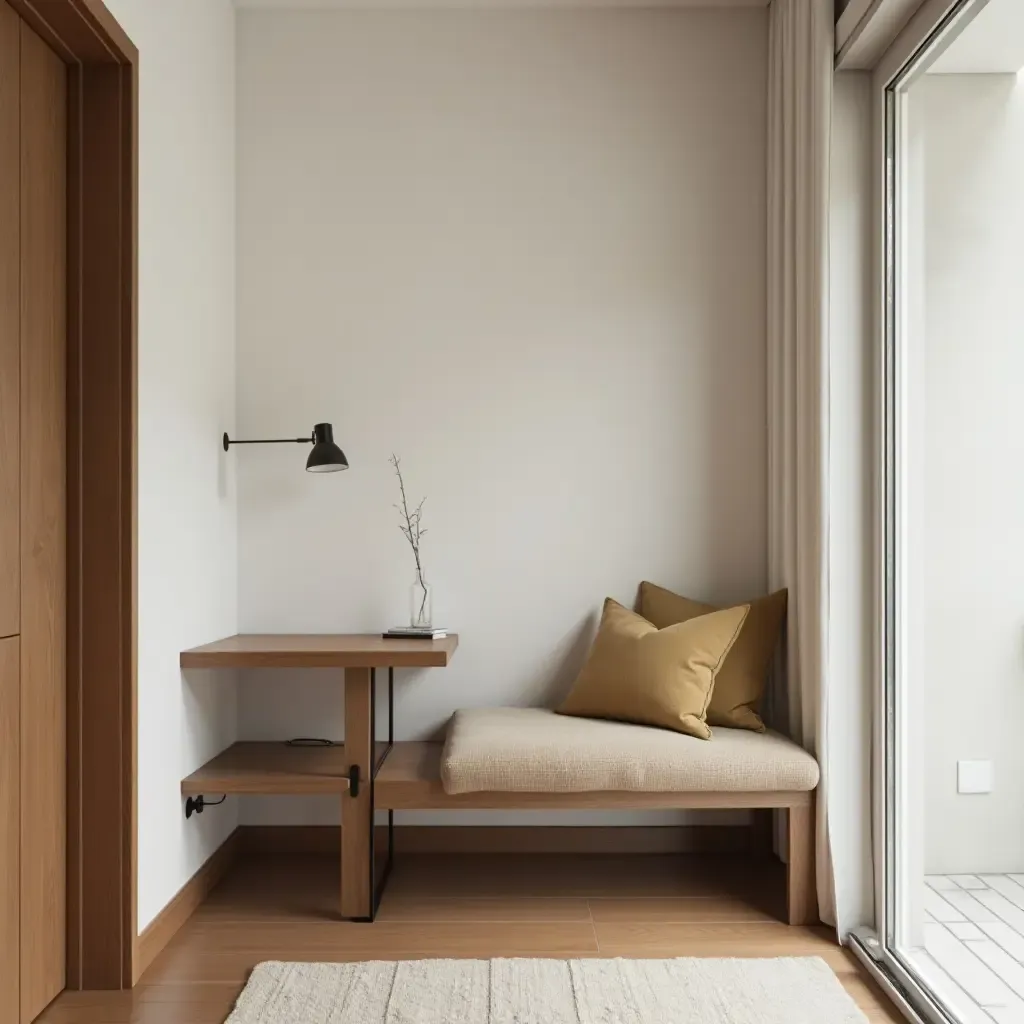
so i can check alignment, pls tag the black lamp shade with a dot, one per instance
(326, 456)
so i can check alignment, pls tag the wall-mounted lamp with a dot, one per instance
(326, 456)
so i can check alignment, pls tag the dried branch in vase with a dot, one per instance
(412, 529)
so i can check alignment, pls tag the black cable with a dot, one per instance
(213, 803)
(309, 741)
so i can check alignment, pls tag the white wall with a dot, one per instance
(525, 251)
(187, 586)
(972, 450)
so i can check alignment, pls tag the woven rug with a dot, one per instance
(686, 991)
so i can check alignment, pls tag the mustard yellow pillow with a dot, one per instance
(741, 681)
(638, 673)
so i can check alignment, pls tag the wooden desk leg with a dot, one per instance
(355, 810)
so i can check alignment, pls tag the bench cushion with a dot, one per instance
(531, 750)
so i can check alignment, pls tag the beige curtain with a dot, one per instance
(800, 66)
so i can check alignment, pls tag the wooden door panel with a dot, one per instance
(43, 523)
(10, 276)
(10, 830)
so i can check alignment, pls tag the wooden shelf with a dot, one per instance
(327, 650)
(272, 769)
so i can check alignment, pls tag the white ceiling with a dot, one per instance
(298, 5)
(992, 42)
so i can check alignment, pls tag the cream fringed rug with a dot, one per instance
(686, 991)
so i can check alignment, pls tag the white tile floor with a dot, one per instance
(973, 954)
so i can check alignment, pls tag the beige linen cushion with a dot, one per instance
(637, 673)
(532, 750)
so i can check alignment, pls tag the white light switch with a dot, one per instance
(974, 776)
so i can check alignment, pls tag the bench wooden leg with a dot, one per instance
(801, 894)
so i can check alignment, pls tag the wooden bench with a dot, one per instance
(368, 776)
(531, 759)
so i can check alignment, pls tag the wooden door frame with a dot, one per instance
(102, 290)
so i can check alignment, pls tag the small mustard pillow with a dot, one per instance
(741, 681)
(639, 673)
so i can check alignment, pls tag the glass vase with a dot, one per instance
(421, 603)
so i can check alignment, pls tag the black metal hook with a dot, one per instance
(195, 804)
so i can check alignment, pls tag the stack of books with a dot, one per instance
(415, 633)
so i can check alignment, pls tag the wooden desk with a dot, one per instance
(319, 650)
(246, 768)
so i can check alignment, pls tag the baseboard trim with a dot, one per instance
(153, 939)
(326, 839)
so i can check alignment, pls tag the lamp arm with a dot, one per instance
(273, 440)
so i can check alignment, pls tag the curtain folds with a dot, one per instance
(800, 72)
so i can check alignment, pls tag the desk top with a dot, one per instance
(324, 650)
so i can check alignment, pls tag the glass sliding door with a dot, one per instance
(951, 914)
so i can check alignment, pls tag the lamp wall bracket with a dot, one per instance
(228, 442)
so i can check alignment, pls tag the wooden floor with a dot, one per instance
(283, 908)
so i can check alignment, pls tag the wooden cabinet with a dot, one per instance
(33, 467)
(10, 831)
(10, 315)
(43, 522)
